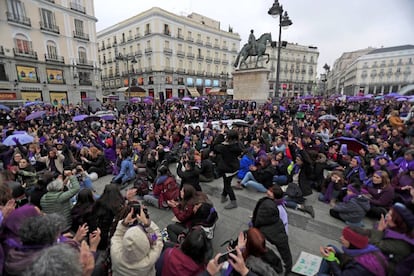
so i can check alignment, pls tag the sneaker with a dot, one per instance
(223, 199)
(310, 211)
(231, 205)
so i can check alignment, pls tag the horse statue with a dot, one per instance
(246, 51)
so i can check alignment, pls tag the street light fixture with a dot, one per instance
(284, 21)
(127, 58)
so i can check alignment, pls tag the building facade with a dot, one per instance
(374, 71)
(48, 51)
(161, 54)
(298, 69)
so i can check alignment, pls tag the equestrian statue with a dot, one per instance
(256, 48)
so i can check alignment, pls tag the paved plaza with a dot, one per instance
(305, 234)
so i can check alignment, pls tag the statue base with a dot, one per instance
(251, 84)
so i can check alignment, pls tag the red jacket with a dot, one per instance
(167, 190)
(176, 263)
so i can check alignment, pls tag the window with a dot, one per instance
(79, 27)
(166, 29)
(82, 55)
(48, 19)
(179, 33)
(16, 9)
(85, 78)
(166, 44)
(147, 29)
(23, 46)
(3, 75)
(51, 50)
(114, 39)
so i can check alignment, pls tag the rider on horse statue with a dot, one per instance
(252, 43)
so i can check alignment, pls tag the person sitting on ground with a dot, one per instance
(259, 177)
(381, 194)
(281, 163)
(188, 259)
(246, 161)
(358, 256)
(53, 160)
(58, 200)
(165, 188)
(353, 207)
(127, 172)
(96, 162)
(207, 167)
(189, 172)
(394, 236)
(136, 245)
(183, 211)
(332, 187)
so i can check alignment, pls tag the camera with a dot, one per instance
(137, 208)
(225, 256)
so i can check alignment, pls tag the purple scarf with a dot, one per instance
(391, 234)
(370, 258)
(328, 192)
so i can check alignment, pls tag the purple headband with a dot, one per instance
(352, 189)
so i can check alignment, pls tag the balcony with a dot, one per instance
(208, 44)
(225, 62)
(233, 50)
(49, 27)
(167, 33)
(209, 59)
(190, 55)
(217, 61)
(103, 47)
(225, 48)
(130, 38)
(180, 54)
(148, 70)
(147, 32)
(84, 62)
(200, 73)
(26, 54)
(181, 71)
(200, 57)
(189, 38)
(51, 1)
(216, 46)
(81, 35)
(19, 19)
(85, 82)
(191, 72)
(168, 69)
(109, 46)
(54, 58)
(137, 36)
(168, 51)
(148, 51)
(199, 42)
(114, 44)
(180, 37)
(138, 53)
(76, 7)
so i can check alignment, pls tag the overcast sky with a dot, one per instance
(334, 26)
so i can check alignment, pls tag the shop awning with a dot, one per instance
(214, 91)
(193, 91)
(122, 89)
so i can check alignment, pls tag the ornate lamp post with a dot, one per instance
(127, 58)
(284, 21)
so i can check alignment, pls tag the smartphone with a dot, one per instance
(137, 208)
(225, 256)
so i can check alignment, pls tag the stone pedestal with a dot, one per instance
(251, 84)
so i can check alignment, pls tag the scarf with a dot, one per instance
(370, 258)
(328, 192)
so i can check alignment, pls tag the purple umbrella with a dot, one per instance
(35, 115)
(79, 118)
(169, 100)
(175, 98)
(3, 107)
(23, 138)
(282, 108)
(187, 99)
(147, 101)
(33, 103)
(88, 100)
(135, 100)
(108, 118)
(195, 108)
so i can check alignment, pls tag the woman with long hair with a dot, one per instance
(394, 236)
(164, 189)
(81, 212)
(183, 211)
(381, 194)
(96, 161)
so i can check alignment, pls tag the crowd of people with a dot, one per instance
(357, 154)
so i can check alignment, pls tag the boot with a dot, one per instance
(310, 211)
(223, 199)
(231, 205)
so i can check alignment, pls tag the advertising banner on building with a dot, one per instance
(26, 74)
(31, 96)
(58, 98)
(54, 76)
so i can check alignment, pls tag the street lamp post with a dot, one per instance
(284, 21)
(133, 60)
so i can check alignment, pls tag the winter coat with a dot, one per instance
(176, 263)
(166, 190)
(245, 162)
(381, 197)
(354, 210)
(191, 177)
(131, 252)
(228, 161)
(59, 202)
(265, 176)
(127, 171)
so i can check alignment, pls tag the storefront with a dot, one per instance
(58, 98)
(31, 96)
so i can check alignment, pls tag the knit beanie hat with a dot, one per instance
(357, 240)
(405, 214)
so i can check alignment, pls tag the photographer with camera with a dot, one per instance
(136, 244)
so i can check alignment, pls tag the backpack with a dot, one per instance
(141, 184)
